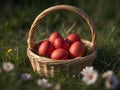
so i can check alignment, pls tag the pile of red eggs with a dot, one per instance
(58, 48)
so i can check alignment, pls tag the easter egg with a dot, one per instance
(61, 43)
(45, 48)
(71, 38)
(59, 54)
(53, 36)
(77, 50)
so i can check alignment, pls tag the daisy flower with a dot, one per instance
(89, 75)
(26, 76)
(44, 83)
(8, 66)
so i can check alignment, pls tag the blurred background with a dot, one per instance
(102, 12)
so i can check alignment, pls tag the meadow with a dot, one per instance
(16, 18)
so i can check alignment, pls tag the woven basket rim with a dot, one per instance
(49, 60)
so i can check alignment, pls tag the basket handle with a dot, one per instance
(79, 11)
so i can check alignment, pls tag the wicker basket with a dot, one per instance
(48, 67)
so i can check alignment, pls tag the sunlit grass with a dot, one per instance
(14, 27)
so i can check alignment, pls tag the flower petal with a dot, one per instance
(89, 75)
(107, 74)
(8, 66)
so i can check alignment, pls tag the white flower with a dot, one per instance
(26, 76)
(44, 83)
(57, 86)
(107, 74)
(112, 82)
(89, 75)
(8, 66)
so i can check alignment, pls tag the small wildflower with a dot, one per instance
(26, 76)
(57, 86)
(44, 83)
(112, 82)
(89, 75)
(9, 50)
(8, 66)
(107, 74)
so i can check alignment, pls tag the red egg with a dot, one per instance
(59, 54)
(61, 43)
(53, 36)
(77, 49)
(72, 38)
(46, 48)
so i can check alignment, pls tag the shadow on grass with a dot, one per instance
(107, 59)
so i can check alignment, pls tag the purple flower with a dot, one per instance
(26, 76)
(112, 82)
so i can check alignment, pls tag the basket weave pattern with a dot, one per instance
(48, 67)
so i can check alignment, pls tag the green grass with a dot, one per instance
(16, 18)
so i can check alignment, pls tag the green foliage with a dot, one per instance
(17, 17)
